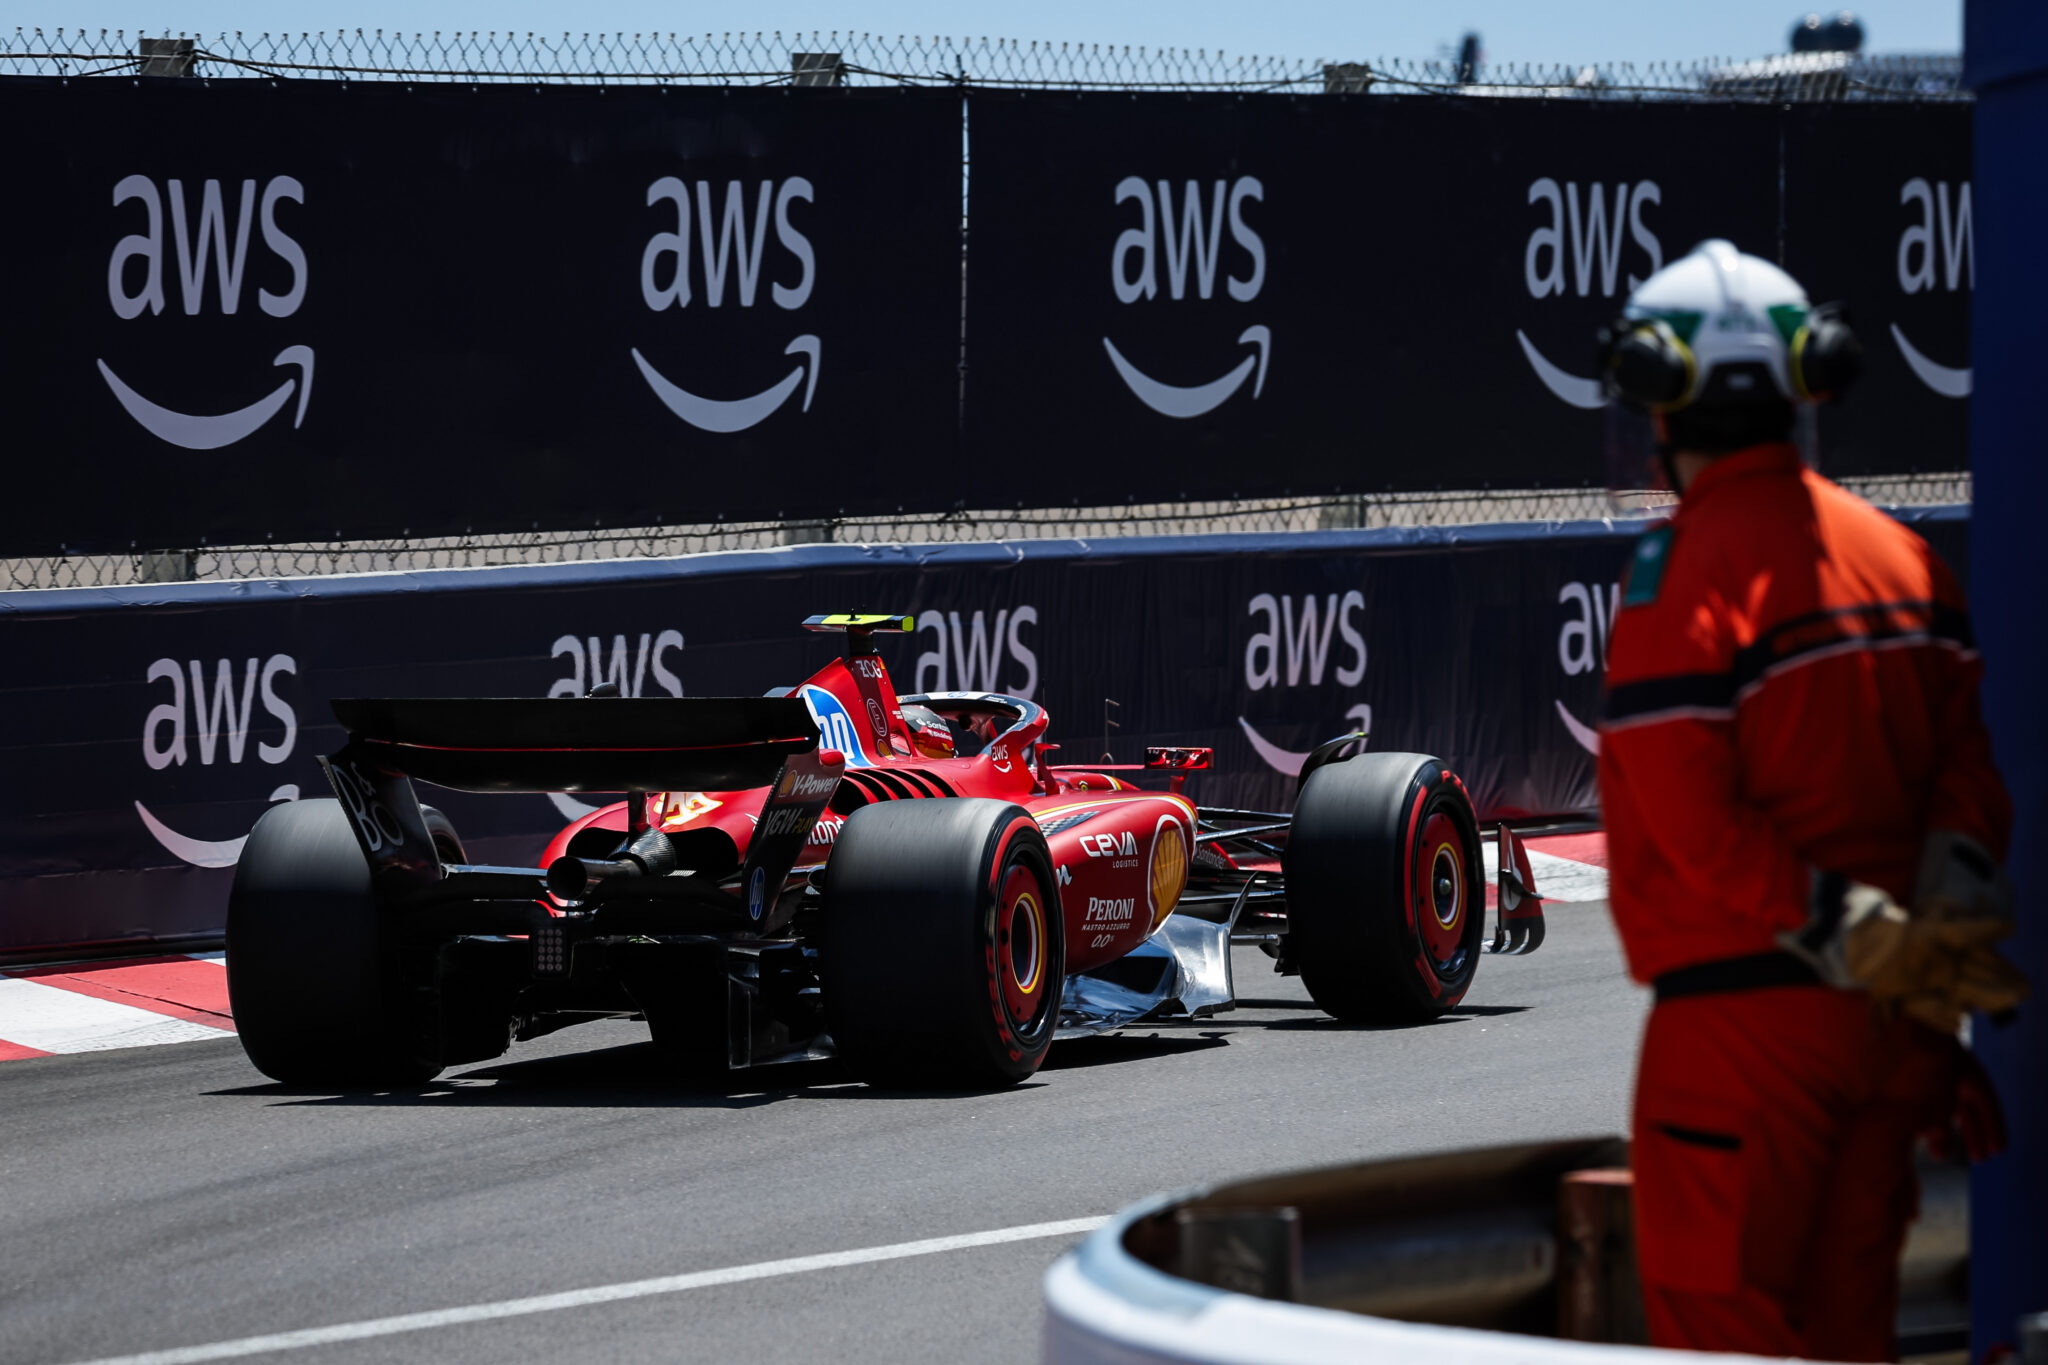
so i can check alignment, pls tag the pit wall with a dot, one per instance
(148, 727)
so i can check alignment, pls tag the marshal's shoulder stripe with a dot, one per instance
(1792, 643)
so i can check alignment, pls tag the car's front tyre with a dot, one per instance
(1386, 890)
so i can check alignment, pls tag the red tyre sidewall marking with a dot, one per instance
(1020, 922)
(997, 967)
(1441, 836)
(1411, 846)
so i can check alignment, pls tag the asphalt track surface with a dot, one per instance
(170, 1197)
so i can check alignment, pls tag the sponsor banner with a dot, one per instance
(1327, 293)
(1217, 296)
(248, 312)
(1879, 214)
(148, 728)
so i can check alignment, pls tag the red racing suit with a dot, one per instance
(1792, 685)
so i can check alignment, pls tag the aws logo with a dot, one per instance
(974, 658)
(1583, 228)
(626, 668)
(731, 244)
(1945, 224)
(1178, 252)
(213, 721)
(1302, 640)
(1582, 645)
(209, 244)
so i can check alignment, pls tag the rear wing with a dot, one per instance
(633, 745)
(521, 744)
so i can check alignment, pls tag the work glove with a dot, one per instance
(1936, 964)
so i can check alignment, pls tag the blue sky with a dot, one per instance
(1575, 31)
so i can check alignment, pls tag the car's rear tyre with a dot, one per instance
(945, 949)
(320, 993)
(1386, 891)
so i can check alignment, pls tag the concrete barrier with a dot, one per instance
(1454, 1259)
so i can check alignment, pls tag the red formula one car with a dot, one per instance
(910, 882)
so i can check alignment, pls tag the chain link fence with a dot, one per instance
(836, 59)
(872, 60)
(1188, 518)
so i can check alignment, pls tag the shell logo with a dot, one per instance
(1169, 875)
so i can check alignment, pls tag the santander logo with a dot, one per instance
(212, 259)
(731, 250)
(1183, 253)
(1584, 230)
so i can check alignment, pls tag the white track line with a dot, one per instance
(581, 1298)
(52, 1019)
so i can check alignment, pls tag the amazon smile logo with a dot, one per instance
(1299, 641)
(213, 251)
(212, 722)
(1944, 227)
(731, 249)
(1582, 645)
(1187, 250)
(1583, 226)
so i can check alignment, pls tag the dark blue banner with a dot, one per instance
(157, 723)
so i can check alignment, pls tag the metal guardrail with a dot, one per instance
(1470, 1243)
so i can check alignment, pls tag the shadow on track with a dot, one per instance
(636, 1075)
(1323, 1023)
(1116, 1048)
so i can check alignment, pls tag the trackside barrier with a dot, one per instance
(1451, 1258)
(148, 727)
(381, 370)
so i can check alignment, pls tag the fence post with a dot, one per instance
(165, 56)
(816, 68)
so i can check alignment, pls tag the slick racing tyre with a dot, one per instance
(315, 980)
(1386, 891)
(945, 950)
(447, 843)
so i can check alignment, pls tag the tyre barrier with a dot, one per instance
(1491, 1256)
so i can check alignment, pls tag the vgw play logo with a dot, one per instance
(731, 250)
(1935, 221)
(210, 247)
(1180, 255)
(1583, 227)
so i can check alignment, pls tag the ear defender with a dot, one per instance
(1825, 356)
(1645, 364)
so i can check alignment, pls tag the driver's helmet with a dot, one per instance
(929, 733)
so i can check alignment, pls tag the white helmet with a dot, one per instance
(1719, 328)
